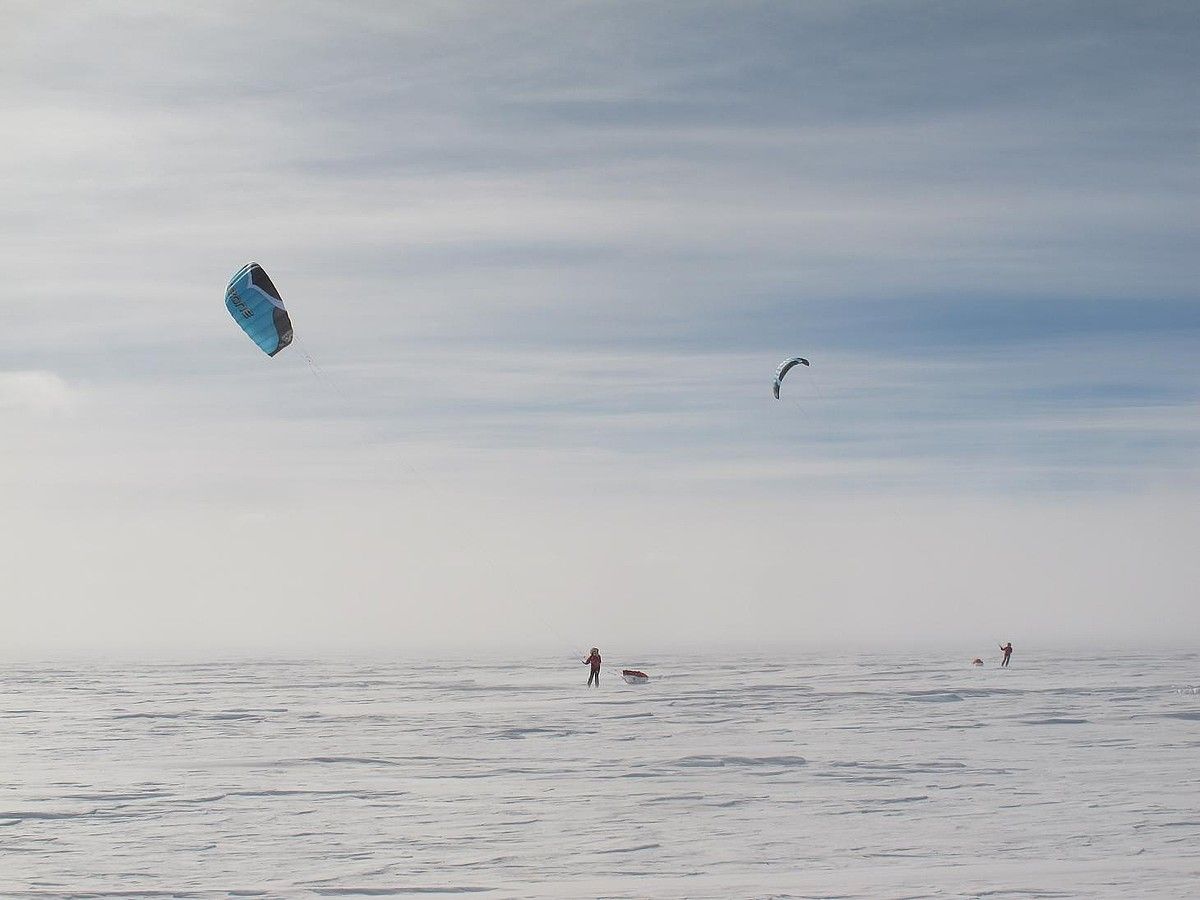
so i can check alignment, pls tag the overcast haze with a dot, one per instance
(546, 257)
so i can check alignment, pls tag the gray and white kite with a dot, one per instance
(784, 368)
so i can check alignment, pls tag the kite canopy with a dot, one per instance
(784, 368)
(256, 306)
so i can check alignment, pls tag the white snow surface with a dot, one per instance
(729, 775)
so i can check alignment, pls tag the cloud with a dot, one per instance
(36, 391)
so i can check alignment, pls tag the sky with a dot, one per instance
(542, 260)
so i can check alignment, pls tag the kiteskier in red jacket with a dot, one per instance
(594, 662)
